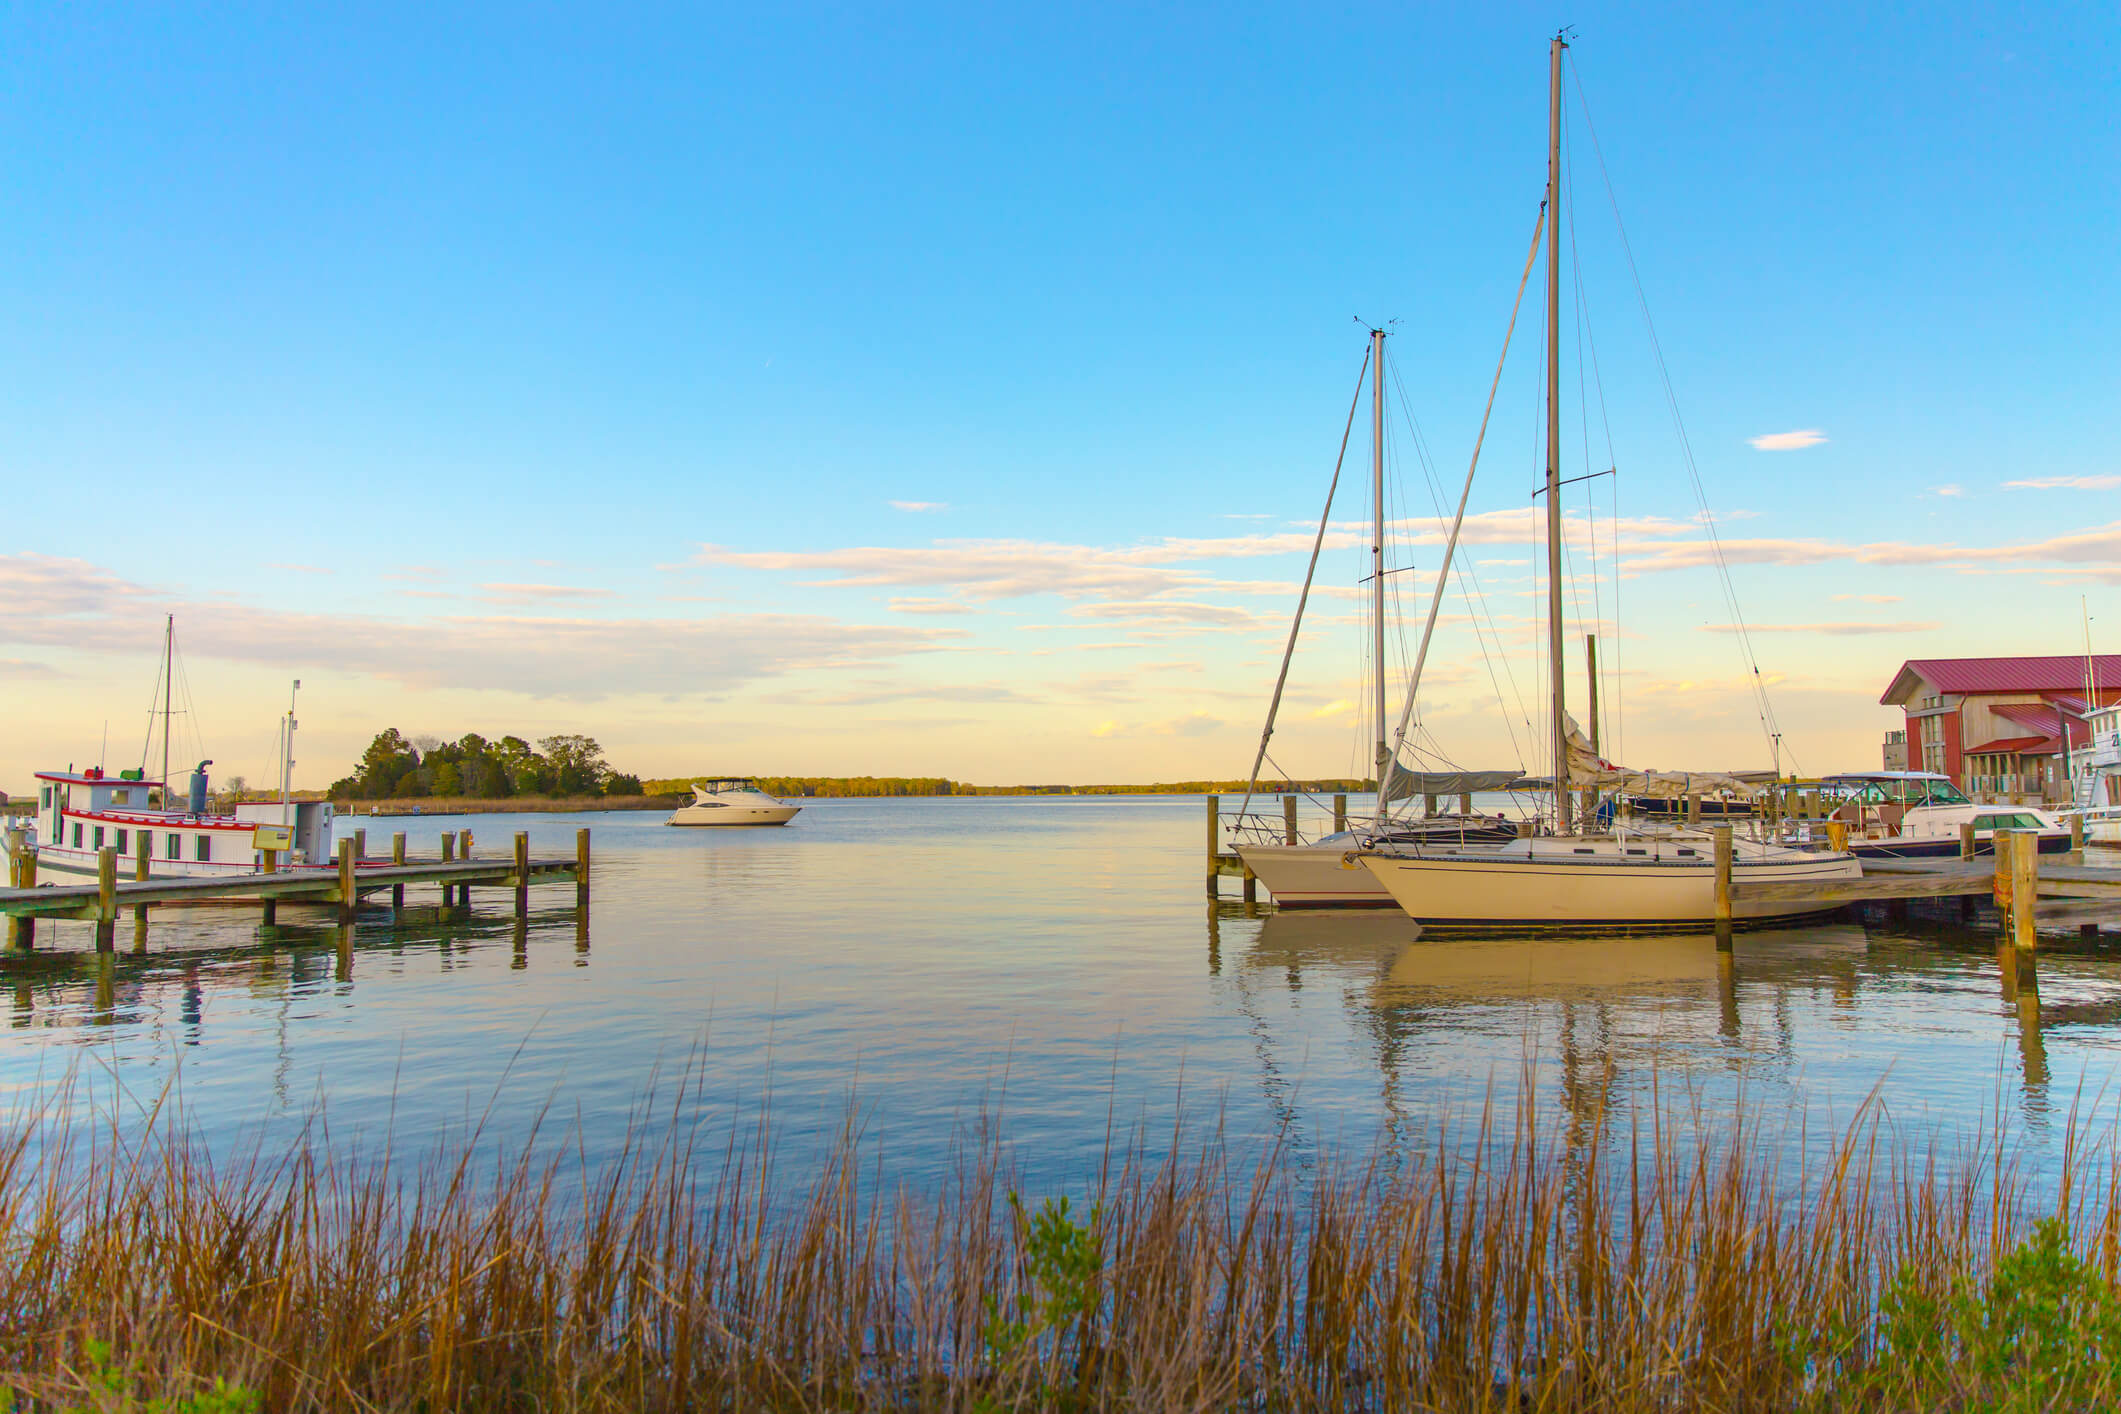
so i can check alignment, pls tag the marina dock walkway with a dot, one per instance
(352, 876)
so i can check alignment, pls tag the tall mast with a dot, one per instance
(1554, 644)
(169, 656)
(1377, 551)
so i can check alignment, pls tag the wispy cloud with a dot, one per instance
(929, 606)
(1788, 441)
(2065, 483)
(1835, 629)
(920, 506)
(1866, 598)
(511, 594)
(69, 603)
(1948, 489)
(300, 569)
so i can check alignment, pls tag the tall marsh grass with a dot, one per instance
(1510, 1268)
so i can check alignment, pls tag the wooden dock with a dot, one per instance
(2027, 891)
(354, 875)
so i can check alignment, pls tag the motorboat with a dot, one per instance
(732, 800)
(1918, 815)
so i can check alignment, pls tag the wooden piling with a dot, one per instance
(142, 840)
(1288, 819)
(522, 875)
(22, 932)
(397, 891)
(17, 858)
(449, 852)
(269, 914)
(1251, 885)
(2076, 839)
(347, 897)
(1465, 802)
(1966, 839)
(2000, 886)
(1726, 853)
(1340, 813)
(1215, 840)
(464, 844)
(2025, 890)
(360, 845)
(106, 898)
(581, 867)
(1693, 810)
(1428, 807)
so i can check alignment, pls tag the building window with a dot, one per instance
(121, 842)
(206, 848)
(174, 846)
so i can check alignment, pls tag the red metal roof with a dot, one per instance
(2035, 745)
(2035, 716)
(2002, 675)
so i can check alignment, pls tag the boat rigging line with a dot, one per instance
(1763, 708)
(1317, 543)
(1443, 569)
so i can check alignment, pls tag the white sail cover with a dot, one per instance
(1590, 771)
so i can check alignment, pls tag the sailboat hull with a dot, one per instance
(1314, 876)
(1554, 880)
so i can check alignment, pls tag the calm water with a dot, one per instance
(1052, 957)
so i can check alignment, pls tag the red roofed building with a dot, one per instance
(1997, 726)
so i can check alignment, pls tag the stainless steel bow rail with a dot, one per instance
(353, 876)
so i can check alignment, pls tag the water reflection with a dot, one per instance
(1599, 1014)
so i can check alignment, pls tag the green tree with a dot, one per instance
(577, 764)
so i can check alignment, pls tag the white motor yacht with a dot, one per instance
(732, 800)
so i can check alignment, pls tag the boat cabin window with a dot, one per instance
(77, 834)
(206, 847)
(175, 849)
(121, 797)
(123, 843)
(99, 837)
(47, 797)
(2007, 821)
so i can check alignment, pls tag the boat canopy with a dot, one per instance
(1590, 771)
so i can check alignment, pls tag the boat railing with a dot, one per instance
(1256, 828)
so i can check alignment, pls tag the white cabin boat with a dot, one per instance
(732, 800)
(81, 813)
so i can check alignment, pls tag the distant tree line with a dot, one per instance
(870, 786)
(396, 767)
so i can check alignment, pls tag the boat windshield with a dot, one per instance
(1898, 790)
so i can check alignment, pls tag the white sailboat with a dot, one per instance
(1571, 875)
(1313, 873)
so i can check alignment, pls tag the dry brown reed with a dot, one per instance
(1681, 1266)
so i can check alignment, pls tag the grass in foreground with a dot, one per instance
(1680, 1269)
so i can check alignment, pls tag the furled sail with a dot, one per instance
(1407, 785)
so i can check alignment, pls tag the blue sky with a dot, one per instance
(488, 321)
